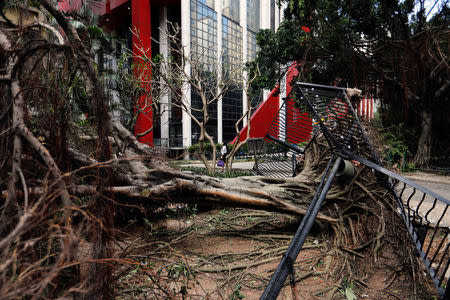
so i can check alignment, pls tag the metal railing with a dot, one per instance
(289, 134)
(427, 219)
(329, 110)
(286, 265)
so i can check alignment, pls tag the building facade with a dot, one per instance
(223, 31)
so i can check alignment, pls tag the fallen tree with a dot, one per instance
(59, 187)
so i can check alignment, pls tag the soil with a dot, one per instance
(232, 253)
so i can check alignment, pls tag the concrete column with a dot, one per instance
(264, 10)
(186, 89)
(243, 23)
(218, 9)
(279, 14)
(164, 101)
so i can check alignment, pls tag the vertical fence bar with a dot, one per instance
(278, 278)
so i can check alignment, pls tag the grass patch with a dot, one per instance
(218, 174)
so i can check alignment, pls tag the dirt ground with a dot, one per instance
(232, 253)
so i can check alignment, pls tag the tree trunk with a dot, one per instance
(423, 154)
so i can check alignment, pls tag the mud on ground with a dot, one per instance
(232, 253)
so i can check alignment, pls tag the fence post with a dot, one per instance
(278, 278)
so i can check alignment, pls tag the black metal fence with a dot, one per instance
(427, 218)
(312, 108)
(289, 134)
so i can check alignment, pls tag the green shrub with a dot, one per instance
(193, 148)
(409, 167)
(231, 174)
(398, 141)
(396, 148)
(206, 146)
(244, 148)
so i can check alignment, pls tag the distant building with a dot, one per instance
(208, 26)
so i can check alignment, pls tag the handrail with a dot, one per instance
(341, 127)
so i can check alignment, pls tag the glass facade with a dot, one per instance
(252, 46)
(209, 3)
(253, 15)
(232, 64)
(175, 122)
(204, 52)
(272, 15)
(230, 9)
(204, 34)
(204, 37)
(232, 48)
(211, 126)
(253, 25)
(231, 112)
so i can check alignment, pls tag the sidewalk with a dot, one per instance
(428, 177)
(439, 184)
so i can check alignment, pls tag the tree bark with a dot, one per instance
(423, 155)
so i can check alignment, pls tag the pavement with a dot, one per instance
(429, 208)
(440, 184)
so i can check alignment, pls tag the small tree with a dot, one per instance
(247, 86)
(131, 86)
(206, 78)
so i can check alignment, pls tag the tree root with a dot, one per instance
(237, 267)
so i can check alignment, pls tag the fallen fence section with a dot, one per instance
(425, 215)
(312, 108)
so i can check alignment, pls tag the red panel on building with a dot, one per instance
(263, 117)
(298, 124)
(295, 133)
(141, 22)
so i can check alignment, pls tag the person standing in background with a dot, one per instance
(223, 153)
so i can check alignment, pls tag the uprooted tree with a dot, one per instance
(58, 189)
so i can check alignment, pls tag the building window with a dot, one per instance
(230, 9)
(252, 27)
(272, 15)
(252, 46)
(232, 49)
(253, 15)
(211, 126)
(232, 64)
(203, 34)
(232, 111)
(209, 3)
(204, 54)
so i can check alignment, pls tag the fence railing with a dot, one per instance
(427, 218)
(425, 214)
(287, 137)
